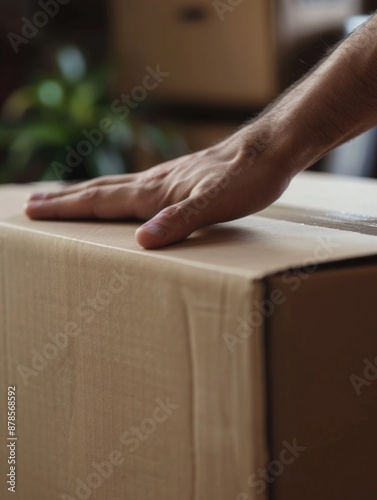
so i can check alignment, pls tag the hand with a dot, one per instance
(235, 178)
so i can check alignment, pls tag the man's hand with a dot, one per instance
(251, 169)
(230, 180)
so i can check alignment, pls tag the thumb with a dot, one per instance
(173, 224)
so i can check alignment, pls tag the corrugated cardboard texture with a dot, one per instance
(253, 247)
(136, 330)
(159, 338)
(315, 344)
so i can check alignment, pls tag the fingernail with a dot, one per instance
(32, 204)
(156, 230)
(37, 196)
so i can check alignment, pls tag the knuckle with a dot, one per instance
(94, 182)
(90, 193)
(210, 185)
(174, 215)
(156, 173)
(97, 182)
(149, 186)
(212, 188)
(171, 211)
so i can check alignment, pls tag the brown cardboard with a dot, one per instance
(137, 330)
(325, 331)
(230, 56)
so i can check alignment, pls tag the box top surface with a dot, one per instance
(321, 218)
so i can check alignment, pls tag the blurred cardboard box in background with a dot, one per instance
(219, 52)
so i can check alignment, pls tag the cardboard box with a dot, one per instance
(216, 52)
(189, 371)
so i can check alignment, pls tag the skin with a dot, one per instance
(246, 172)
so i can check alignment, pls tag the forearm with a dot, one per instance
(336, 102)
(248, 171)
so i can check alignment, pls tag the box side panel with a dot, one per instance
(126, 387)
(321, 351)
(225, 56)
(229, 376)
(103, 386)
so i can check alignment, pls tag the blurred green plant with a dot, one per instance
(42, 121)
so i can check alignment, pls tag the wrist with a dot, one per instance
(270, 141)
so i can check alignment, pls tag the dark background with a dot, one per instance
(88, 24)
